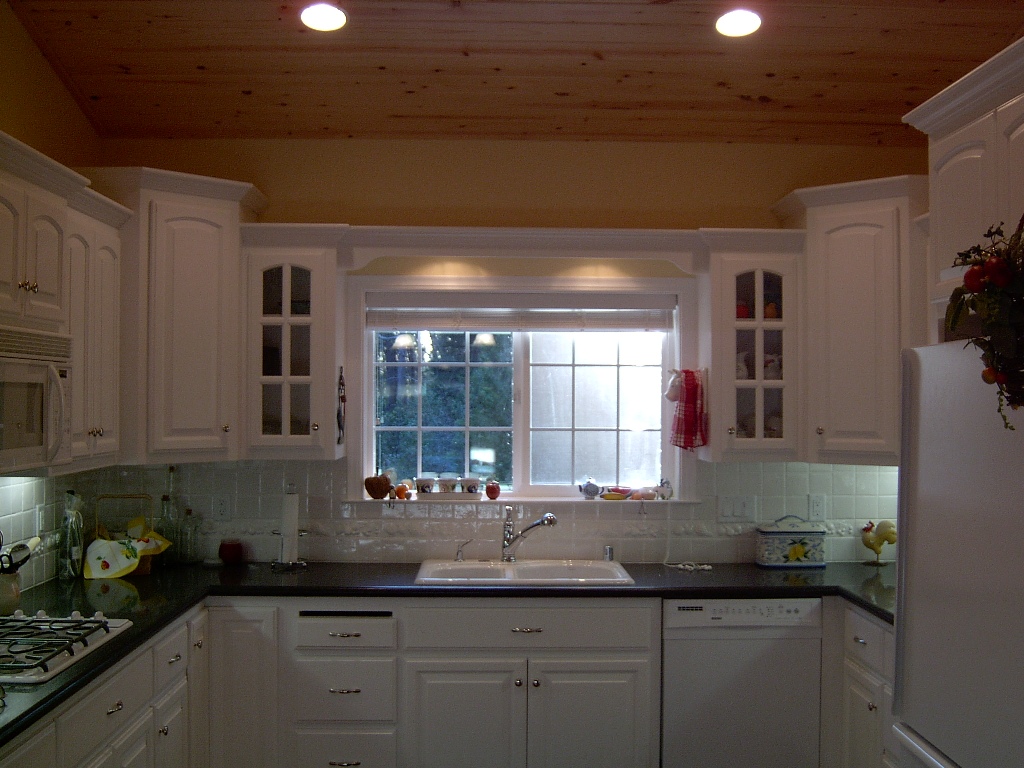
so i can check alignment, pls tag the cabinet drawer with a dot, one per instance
(367, 750)
(528, 627)
(170, 658)
(864, 641)
(105, 711)
(346, 632)
(343, 689)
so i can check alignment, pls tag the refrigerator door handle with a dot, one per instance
(925, 753)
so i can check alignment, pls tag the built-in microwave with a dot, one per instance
(35, 399)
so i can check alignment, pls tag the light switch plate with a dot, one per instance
(737, 509)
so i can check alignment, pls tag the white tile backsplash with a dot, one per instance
(344, 530)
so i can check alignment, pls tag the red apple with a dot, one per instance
(989, 375)
(492, 489)
(998, 272)
(974, 279)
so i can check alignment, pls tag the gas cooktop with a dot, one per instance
(35, 648)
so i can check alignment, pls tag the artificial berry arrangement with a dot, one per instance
(993, 290)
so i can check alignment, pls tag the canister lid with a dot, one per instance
(790, 524)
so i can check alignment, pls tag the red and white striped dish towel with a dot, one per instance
(690, 422)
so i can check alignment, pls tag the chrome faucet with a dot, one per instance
(511, 540)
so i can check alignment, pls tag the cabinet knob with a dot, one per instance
(316, 427)
(23, 285)
(519, 683)
(820, 430)
(731, 430)
(872, 706)
(198, 644)
(164, 731)
(535, 683)
(34, 287)
(99, 432)
(226, 428)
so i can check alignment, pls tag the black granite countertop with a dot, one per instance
(155, 601)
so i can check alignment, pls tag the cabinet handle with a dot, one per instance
(118, 706)
(34, 287)
(518, 683)
(198, 644)
(535, 683)
(731, 430)
(343, 762)
(344, 634)
(344, 691)
(316, 427)
(859, 640)
(99, 432)
(872, 706)
(164, 731)
(527, 630)
(226, 428)
(174, 659)
(23, 285)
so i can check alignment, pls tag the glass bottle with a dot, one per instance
(189, 537)
(69, 564)
(170, 523)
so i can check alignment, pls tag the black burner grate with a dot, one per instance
(28, 643)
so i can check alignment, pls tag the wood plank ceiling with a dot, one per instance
(817, 72)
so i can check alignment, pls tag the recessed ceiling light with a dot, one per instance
(738, 23)
(323, 17)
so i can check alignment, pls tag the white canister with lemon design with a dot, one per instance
(791, 542)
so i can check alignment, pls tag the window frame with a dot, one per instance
(681, 345)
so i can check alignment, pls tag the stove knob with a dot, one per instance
(76, 615)
(99, 616)
(40, 614)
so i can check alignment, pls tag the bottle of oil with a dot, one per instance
(69, 562)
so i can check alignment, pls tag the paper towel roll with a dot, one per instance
(290, 528)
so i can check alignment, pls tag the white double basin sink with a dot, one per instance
(525, 572)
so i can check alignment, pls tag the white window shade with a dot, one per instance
(479, 311)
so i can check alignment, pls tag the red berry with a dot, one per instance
(974, 279)
(1001, 378)
(998, 272)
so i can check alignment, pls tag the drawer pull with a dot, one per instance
(344, 691)
(343, 762)
(174, 659)
(859, 640)
(164, 731)
(872, 706)
(344, 634)
(197, 644)
(527, 630)
(118, 706)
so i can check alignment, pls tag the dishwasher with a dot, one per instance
(741, 683)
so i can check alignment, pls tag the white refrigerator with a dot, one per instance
(959, 697)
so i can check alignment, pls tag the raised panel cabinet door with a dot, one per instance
(46, 269)
(104, 341)
(862, 718)
(170, 718)
(591, 714)
(135, 747)
(194, 262)
(963, 195)
(243, 686)
(469, 712)
(80, 249)
(1010, 166)
(198, 673)
(853, 331)
(12, 246)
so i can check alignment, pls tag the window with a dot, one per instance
(446, 401)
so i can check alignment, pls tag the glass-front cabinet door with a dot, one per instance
(289, 370)
(757, 339)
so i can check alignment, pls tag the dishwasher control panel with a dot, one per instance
(792, 612)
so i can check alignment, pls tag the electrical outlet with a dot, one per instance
(737, 509)
(816, 507)
(220, 506)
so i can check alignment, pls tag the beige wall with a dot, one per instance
(468, 183)
(34, 106)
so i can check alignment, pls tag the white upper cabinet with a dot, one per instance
(293, 348)
(861, 259)
(752, 349)
(180, 313)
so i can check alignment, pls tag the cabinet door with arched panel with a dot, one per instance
(292, 408)
(754, 380)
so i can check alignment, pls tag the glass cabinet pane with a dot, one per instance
(772, 296)
(746, 354)
(746, 295)
(301, 293)
(273, 409)
(772, 355)
(746, 412)
(300, 350)
(299, 423)
(773, 421)
(272, 342)
(273, 291)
